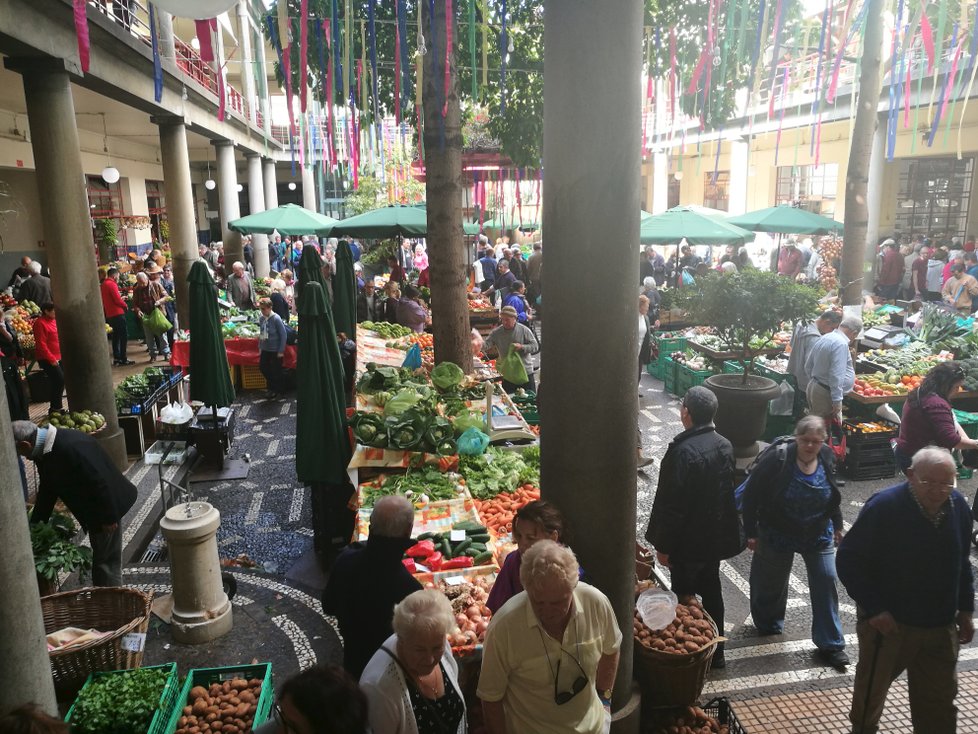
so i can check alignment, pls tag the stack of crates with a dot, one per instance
(669, 370)
(687, 377)
(869, 454)
(666, 347)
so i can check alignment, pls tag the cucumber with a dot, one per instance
(426, 536)
(446, 549)
(481, 547)
(483, 557)
(468, 525)
(459, 549)
(480, 538)
(472, 553)
(474, 529)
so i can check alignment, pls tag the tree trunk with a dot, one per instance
(443, 191)
(860, 152)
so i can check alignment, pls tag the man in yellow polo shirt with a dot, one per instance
(551, 652)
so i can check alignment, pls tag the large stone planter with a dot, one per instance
(742, 413)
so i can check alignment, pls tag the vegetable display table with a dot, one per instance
(240, 352)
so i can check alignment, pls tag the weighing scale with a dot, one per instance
(876, 337)
(500, 424)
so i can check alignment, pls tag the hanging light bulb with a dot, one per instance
(210, 184)
(240, 188)
(110, 174)
(291, 185)
(678, 175)
(195, 43)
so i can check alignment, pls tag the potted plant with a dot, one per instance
(746, 310)
(55, 553)
(106, 238)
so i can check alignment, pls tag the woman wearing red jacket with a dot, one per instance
(114, 309)
(47, 351)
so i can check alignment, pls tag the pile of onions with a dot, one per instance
(471, 613)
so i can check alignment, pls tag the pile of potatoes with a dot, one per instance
(693, 720)
(227, 708)
(689, 632)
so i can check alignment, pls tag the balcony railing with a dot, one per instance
(133, 17)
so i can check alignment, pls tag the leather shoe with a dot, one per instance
(835, 658)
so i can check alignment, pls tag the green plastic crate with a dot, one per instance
(731, 367)
(673, 344)
(669, 376)
(655, 369)
(687, 378)
(206, 676)
(168, 699)
(968, 421)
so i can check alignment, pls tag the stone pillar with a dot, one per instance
(29, 680)
(589, 465)
(71, 250)
(309, 189)
(256, 202)
(265, 111)
(164, 27)
(660, 183)
(739, 165)
(247, 62)
(271, 183)
(874, 202)
(227, 190)
(179, 208)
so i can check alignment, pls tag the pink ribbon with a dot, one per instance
(81, 31)
(303, 53)
(927, 36)
(204, 38)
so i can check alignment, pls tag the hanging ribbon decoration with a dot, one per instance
(346, 69)
(894, 104)
(157, 64)
(755, 54)
(287, 73)
(81, 32)
(778, 26)
(404, 61)
(203, 28)
(398, 102)
(906, 86)
(485, 43)
(303, 54)
(856, 25)
(449, 18)
(503, 45)
(372, 25)
(418, 86)
(927, 37)
(673, 81)
(784, 104)
(334, 27)
(973, 68)
(953, 66)
(328, 94)
(472, 54)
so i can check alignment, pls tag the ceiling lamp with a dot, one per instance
(678, 175)
(110, 174)
(210, 184)
(291, 185)
(240, 188)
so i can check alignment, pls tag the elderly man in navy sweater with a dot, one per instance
(905, 563)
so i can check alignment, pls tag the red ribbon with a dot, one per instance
(204, 38)
(287, 73)
(303, 53)
(331, 136)
(81, 31)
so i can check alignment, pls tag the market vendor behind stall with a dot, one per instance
(521, 338)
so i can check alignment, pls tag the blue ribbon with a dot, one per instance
(819, 94)
(157, 64)
(895, 85)
(334, 28)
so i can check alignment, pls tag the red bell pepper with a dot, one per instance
(421, 549)
(460, 562)
(434, 561)
(410, 565)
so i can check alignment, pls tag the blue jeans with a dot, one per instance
(769, 572)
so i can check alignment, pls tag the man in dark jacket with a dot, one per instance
(368, 579)
(694, 523)
(369, 303)
(36, 288)
(75, 468)
(905, 562)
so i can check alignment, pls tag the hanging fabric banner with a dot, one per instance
(472, 55)
(398, 102)
(927, 37)
(906, 89)
(503, 45)
(157, 64)
(784, 104)
(81, 32)
(346, 69)
(418, 86)
(485, 43)
(284, 26)
(303, 54)
(372, 26)
(335, 32)
(205, 40)
(944, 99)
(449, 21)
(405, 62)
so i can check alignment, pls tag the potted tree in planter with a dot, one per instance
(54, 551)
(106, 238)
(746, 310)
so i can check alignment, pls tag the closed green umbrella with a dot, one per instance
(288, 219)
(398, 220)
(211, 381)
(685, 223)
(345, 291)
(310, 269)
(786, 219)
(322, 445)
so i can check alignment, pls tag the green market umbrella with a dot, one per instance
(211, 382)
(345, 291)
(684, 223)
(398, 220)
(322, 445)
(501, 224)
(785, 219)
(289, 219)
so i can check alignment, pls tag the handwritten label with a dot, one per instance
(455, 580)
(134, 641)
(458, 536)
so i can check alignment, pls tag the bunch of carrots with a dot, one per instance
(497, 514)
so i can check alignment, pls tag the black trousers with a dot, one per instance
(530, 386)
(270, 365)
(703, 578)
(56, 382)
(120, 337)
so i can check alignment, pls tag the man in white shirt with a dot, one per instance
(830, 370)
(804, 336)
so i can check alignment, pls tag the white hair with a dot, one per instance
(648, 282)
(35, 267)
(851, 323)
(423, 612)
(548, 560)
(932, 456)
(729, 267)
(237, 264)
(278, 285)
(142, 277)
(392, 517)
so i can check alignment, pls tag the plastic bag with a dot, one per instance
(511, 367)
(657, 608)
(413, 358)
(469, 419)
(157, 322)
(176, 413)
(785, 403)
(473, 443)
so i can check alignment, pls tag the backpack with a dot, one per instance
(778, 446)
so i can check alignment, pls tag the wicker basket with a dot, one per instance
(670, 679)
(121, 611)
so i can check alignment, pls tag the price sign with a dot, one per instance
(458, 536)
(134, 641)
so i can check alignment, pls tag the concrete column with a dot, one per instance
(256, 202)
(660, 182)
(227, 190)
(247, 62)
(739, 164)
(179, 208)
(589, 465)
(136, 203)
(71, 250)
(29, 680)
(265, 111)
(164, 27)
(309, 189)
(271, 183)
(874, 201)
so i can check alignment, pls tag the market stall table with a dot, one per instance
(240, 352)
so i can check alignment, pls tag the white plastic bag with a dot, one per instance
(657, 608)
(176, 413)
(785, 403)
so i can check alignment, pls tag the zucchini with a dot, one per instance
(483, 557)
(468, 525)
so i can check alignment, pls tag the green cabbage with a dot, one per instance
(447, 375)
